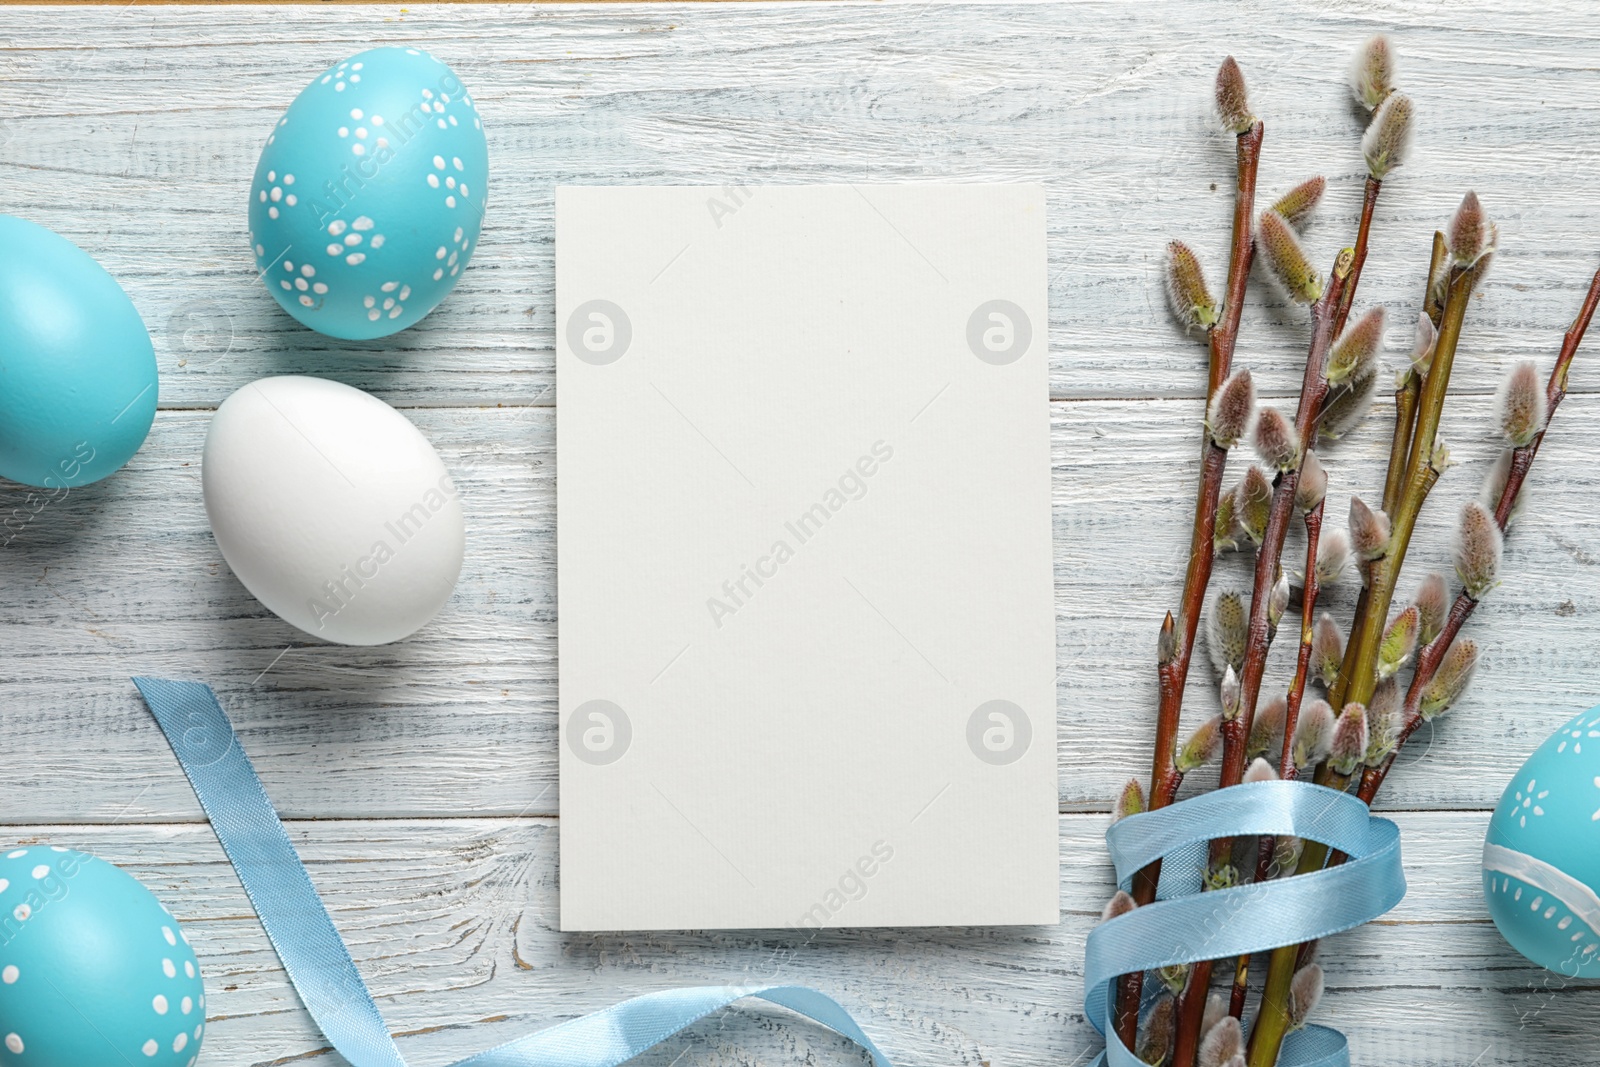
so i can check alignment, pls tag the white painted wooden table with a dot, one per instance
(420, 779)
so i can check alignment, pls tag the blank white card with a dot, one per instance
(807, 639)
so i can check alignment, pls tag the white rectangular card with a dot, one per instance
(807, 635)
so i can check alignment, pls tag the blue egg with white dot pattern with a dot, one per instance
(369, 196)
(94, 971)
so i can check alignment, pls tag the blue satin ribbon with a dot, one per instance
(319, 964)
(1185, 926)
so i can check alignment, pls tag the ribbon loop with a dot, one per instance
(1188, 926)
(319, 964)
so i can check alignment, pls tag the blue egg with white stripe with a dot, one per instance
(1541, 858)
(94, 971)
(369, 196)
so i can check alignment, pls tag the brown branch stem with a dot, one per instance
(1429, 659)
(1267, 1036)
(1236, 731)
(1267, 849)
(1369, 201)
(1173, 674)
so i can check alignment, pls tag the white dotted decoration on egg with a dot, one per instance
(188, 970)
(41, 871)
(179, 1042)
(166, 932)
(150, 1048)
(14, 1043)
(21, 912)
(186, 1005)
(362, 223)
(355, 259)
(168, 969)
(10, 974)
(377, 240)
(159, 1003)
(433, 180)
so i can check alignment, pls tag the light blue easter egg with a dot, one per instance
(94, 972)
(1541, 859)
(367, 202)
(77, 372)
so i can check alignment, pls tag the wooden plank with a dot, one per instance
(134, 132)
(124, 578)
(452, 923)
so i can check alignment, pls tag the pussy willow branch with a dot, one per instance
(1369, 201)
(1358, 674)
(1236, 731)
(1405, 397)
(1429, 659)
(1405, 425)
(1268, 847)
(1173, 675)
(1358, 677)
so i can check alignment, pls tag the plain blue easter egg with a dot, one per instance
(94, 972)
(77, 371)
(1541, 859)
(369, 196)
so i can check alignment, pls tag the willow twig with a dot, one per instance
(1267, 849)
(1369, 201)
(1236, 731)
(1429, 659)
(1173, 672)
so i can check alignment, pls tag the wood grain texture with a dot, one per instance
(134, 132)
(453, 925)
(123, 124)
